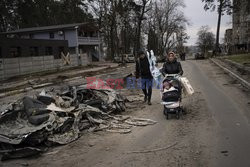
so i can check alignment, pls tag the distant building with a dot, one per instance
(241, 26)
(38, 49)
(228, 41)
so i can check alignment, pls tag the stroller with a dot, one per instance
(171, 91)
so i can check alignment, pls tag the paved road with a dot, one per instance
(229, 109)
(215, 131)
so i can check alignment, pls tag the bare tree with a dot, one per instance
(167, 21)
(224, 6)
(125, 24)
(205, 39)
(181, 37)
(140, 10)
(118, 24)
(106, 11)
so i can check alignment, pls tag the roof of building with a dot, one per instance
(53, 27)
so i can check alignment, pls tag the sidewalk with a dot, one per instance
(34, 81)
(237, 71)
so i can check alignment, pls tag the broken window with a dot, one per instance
(80, 33)
(91, 34)
(15, 52)
(48, 51)
(60, 51)
(34, 51)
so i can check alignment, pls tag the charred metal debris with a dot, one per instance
(31, 125)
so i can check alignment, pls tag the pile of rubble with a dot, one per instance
(31, 125)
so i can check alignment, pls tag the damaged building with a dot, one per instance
(37, 49)
(240, 34)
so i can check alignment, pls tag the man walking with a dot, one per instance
(143, 71)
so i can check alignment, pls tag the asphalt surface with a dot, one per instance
(214, 132)
(230, 111)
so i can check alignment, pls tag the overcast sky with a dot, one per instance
(198, 17)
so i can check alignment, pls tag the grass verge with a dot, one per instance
(243, 59)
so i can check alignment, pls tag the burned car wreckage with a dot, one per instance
(31, 125)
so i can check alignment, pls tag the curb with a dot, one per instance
(233, 75)
(238, 66)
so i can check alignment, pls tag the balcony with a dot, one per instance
(89, 40)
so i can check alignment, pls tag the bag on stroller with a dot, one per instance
(171, 95)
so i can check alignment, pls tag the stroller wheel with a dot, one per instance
(184, 110)
(165, 112)
(180, 114)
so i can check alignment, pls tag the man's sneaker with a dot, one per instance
(149, 103)
(145, 99)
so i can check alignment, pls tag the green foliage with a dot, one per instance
(30, 13)
(242, 59)
(8, 14)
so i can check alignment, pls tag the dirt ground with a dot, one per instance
(193, 140)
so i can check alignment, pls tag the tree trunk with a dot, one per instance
(217, 43)
(112, 48)
(3, 27)
(138, 33)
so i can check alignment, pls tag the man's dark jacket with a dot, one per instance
(143, 68)
(173, 67)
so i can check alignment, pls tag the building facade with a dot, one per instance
(241, 26)
(26, 56)
(83, 38)
(37, 49)
(228, 41)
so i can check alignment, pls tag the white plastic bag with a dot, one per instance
(188, 89)
(153, 69)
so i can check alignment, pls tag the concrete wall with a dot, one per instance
(85, 59)
(10, 67)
